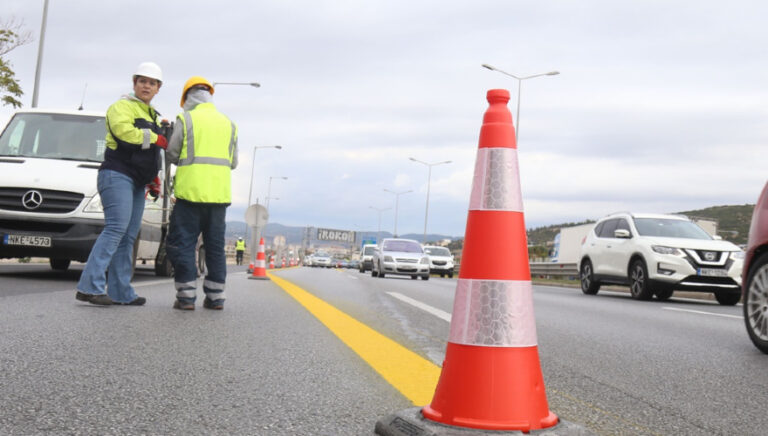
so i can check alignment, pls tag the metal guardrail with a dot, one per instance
(554, 269)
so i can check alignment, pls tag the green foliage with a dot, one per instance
(12, 35)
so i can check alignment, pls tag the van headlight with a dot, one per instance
(667, 250)
(94, 206)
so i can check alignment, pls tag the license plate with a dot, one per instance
(34, 241)
(712, 272)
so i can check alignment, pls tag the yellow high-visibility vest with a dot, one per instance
(205, 162)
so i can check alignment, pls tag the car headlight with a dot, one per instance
(667, 250)
(424, 261)
(388, 259)
(738, 255)
(94, 206)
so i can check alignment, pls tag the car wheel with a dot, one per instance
(727, 298)
(59, 264)
(638, 281)
(663, 293)
(425, 277)
(756, 303)
(374, 273)
(381, 272)
(414, 277)
(589, 285)
(450, 275)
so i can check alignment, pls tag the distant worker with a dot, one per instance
(131, 162)
(240, 250)
(204, 148)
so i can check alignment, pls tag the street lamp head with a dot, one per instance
(279, 147)
(553, 73)
(489, 67)
(255, 85)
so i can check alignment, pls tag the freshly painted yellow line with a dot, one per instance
(411, 374)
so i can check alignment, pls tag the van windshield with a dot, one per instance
(54, 136)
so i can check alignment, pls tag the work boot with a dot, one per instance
(138, 301)
(213, 304)
(98, 299)
(183, 306)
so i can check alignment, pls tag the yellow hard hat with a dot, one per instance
(194, 80)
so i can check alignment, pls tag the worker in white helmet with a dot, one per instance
(131, 162)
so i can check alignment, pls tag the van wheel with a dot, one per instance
(727, 298)
(59, 264)
(589, 285)
(163, 266)
(638, 281)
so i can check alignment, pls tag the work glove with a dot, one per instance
(161, 142)
(153, 187)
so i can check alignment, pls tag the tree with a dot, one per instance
(12, 35)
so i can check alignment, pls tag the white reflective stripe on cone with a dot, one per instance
(493, 313)
(260, 263)
(496, 185)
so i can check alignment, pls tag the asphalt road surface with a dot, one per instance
(266, 365)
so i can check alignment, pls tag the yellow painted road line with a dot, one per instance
(411, 374)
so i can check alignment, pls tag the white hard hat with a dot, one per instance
(149, 69)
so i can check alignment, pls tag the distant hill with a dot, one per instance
(733, 225)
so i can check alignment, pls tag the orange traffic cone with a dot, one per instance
(491, 377)
(272, 262)
(260, 267)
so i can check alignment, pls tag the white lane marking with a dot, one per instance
(702, 312)
(425, 307)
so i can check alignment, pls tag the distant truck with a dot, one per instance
(567, 246)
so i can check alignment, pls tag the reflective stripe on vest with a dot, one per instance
(204, 169)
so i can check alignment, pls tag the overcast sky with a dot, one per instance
(660, 106)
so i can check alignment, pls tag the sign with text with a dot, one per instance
(335, 235)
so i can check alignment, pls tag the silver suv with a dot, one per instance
(657, 254)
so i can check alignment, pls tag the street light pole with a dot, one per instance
(397, 202)
(429, 178)
(253, 169)
(269, 188)
(38, 69)
(378, 232)
(254, 84)
(519, 88)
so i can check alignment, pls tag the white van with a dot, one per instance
(49, 204)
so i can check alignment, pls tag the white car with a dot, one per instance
(657, 254)
(402, 257)
(322, 260)
(308, 260)
(49, 204)
(440, 260)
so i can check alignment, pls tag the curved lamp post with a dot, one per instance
(519, 83)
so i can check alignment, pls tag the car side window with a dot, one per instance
(608, 227)
(623, 225)
(599, 228)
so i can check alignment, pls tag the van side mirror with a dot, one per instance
(622, 233)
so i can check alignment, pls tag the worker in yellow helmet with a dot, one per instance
(204, 148)
(131, 161)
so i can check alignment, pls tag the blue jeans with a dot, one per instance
(188, 220)
(123, 204)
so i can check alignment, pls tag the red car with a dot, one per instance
(755, 275)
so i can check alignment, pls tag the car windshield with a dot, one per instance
(437, 251)
(54, 136)
(402, 246)
(369, 251)
(670, 228)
